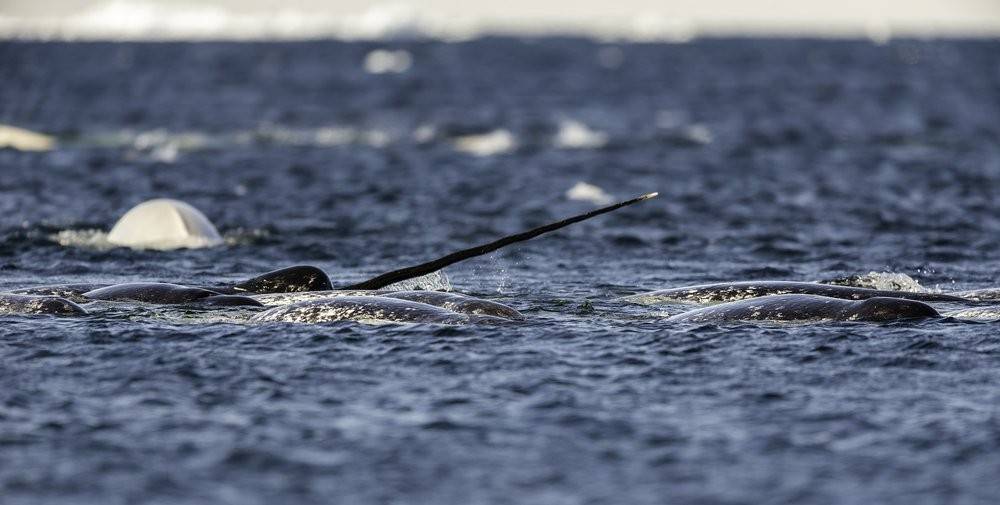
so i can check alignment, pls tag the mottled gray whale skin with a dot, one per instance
(30, 304)
(366, 308)
(733, 291)
(457, 302)
(798, 307)
(168, 294)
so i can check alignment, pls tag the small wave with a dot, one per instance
(991, 313)
(981, 295)
(194, 317)
(89, 239)
(653, 298)
(676, 132)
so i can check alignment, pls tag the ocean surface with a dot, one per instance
(779, 159)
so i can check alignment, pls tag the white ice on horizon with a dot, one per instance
(642, 20)
(164, 224)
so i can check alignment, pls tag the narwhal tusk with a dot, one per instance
(432, 266)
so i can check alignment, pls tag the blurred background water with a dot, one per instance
(775, 158)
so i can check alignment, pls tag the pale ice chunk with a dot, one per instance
(699, 133)
(24, 140)
(384, 61)
(487, 144)
(576, 135)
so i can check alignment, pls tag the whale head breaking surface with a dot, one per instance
(294, 279)
(164, 224)
(12, 304)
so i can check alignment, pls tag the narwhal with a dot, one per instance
(731, 302)
(31, 304)
(735, 291)
(809, 301)
(810, 308)
(399, 306)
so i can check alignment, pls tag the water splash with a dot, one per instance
(88, 239)
(437, 281)
(887, 281)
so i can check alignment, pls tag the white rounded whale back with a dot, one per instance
(164, 224)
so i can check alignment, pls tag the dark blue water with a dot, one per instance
(775, 159)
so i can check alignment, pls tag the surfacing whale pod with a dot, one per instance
(164, 224)
(29, 304)
(798, 307)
